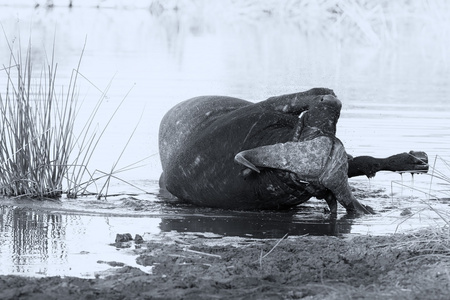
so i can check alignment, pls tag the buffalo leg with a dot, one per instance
(412, 162)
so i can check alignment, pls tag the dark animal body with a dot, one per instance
(230, 153)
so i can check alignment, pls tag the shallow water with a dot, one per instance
(394, 91)
(73, 237)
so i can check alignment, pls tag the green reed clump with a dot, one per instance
(36, 134)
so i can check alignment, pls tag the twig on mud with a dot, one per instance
(179, 241)
(176, 255)
(285, 236)
(261, 257)
(201, 253)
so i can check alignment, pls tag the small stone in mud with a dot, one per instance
(121, 238)
(406, 212)
(138, 239)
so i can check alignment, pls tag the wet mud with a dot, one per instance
(207, 266)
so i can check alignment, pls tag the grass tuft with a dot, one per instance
(36, 130)
(40, 156)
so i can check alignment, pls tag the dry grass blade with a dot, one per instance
(106, 185)
(261, 257)
(438, 177)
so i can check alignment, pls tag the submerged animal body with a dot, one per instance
(230, 153)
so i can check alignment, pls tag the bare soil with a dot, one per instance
(188, 266)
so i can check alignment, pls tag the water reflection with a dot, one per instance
(36, 241)
(256, 225)
(50, 240)
(31, 237)
(305, 219)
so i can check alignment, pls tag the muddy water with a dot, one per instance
(395, 94)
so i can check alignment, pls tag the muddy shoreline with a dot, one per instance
(195, 266)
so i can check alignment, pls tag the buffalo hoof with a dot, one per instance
(412, 162)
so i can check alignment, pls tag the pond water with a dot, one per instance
(392, 78)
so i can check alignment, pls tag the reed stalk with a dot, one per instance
(40, 155)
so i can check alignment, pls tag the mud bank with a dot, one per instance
(189, 266)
